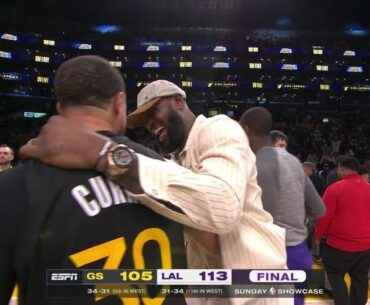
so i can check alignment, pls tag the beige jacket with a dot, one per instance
(216, 190)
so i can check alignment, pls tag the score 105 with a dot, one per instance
(121, 276)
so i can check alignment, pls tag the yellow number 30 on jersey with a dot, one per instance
(114, 251)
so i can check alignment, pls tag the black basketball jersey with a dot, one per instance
(79, 219)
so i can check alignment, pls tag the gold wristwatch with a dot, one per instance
(119, 158)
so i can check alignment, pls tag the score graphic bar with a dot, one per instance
(173, 276)
(178, 282)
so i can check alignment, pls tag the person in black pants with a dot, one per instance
(346, 223)
(337, 263)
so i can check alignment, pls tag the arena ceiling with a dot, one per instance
(303, 14)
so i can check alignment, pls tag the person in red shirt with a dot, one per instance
(347, 225)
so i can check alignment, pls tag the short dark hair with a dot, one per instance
(257, 119)
(348, 162)
(308, 164)
(278, 135)
(362, 170)
(87, 80)
(7, 146)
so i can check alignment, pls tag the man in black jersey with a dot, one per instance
(53, 218)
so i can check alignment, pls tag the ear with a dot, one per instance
(60, 109)
(245, 128)
(119, 104)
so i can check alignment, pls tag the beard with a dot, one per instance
(4, 162)
(175, 134)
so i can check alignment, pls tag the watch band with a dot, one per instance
(104, 151)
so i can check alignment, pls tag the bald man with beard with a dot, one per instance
(287, 193)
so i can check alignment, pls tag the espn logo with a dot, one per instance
(66, 277)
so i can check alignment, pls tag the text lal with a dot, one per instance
(172, 276)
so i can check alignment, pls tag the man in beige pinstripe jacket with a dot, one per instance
(220, 195)
(215, 190)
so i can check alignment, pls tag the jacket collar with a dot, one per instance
(198, 123)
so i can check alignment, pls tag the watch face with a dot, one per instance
(122, 157)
